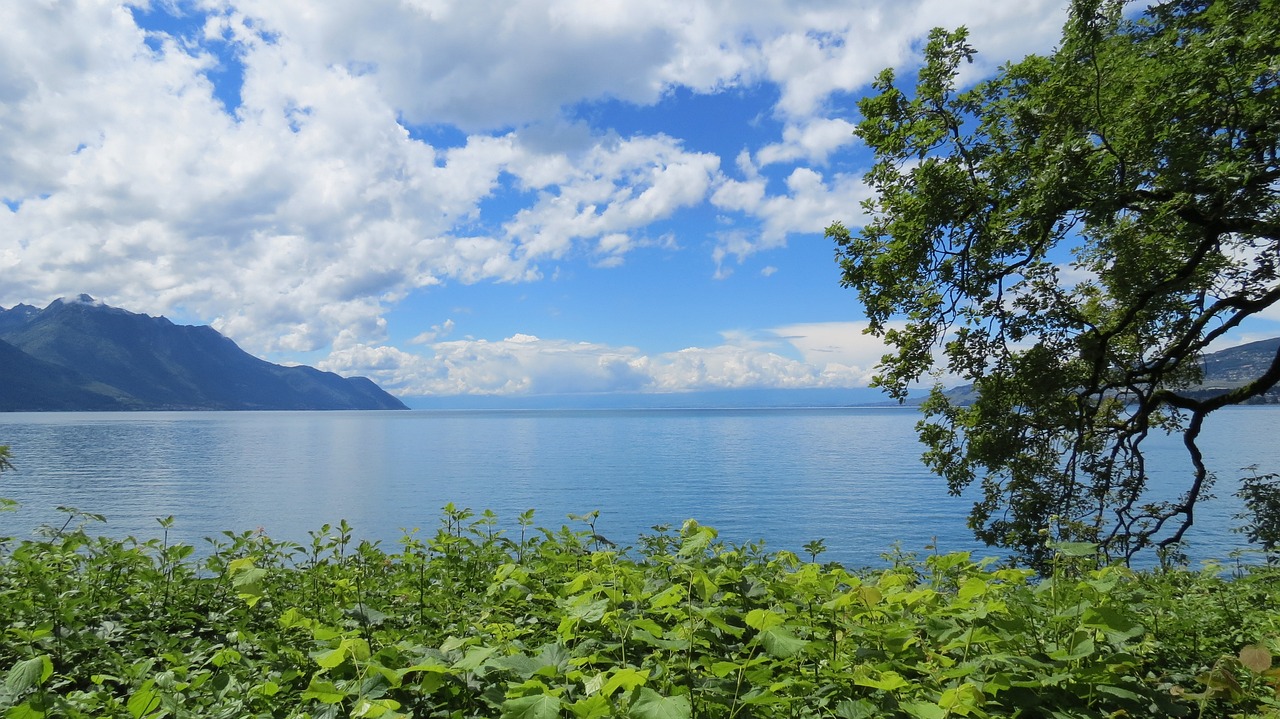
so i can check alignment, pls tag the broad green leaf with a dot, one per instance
(625, 679)
(962, 699)
(538, 706)
(724, 669)
(858, 709)
(1119, 692)
(366, 614)
(1117, 627)
(332, 658)
(522, 665)
(649, 626)
(973, 587)
(584, 609)
(366, 707)
(267, 689)
(592, 707)
(474, 658)
(25, 710)
(715, 617)
(764, 697)
(924, 710)
(144, 701)
(887, 681)
(763, 619)
(781, 643)
(652, 705)
(672, 595)
(1074, 549)
(28, 674)
(1081, 646)
(697, 539)
(325, 692)
(291, 617)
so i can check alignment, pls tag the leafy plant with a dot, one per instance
(561, 624)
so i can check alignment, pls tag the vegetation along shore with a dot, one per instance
(536, 624)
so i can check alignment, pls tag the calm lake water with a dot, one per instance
(849, 476)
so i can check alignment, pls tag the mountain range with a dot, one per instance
(1224, 370)
(79, 354)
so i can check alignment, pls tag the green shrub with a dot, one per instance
(471, 622)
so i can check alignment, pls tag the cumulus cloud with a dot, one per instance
(832, 355)
(811, 202)
(372, 149)
(812, 142)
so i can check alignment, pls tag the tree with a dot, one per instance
(1070, 236)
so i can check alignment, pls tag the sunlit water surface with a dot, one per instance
(849, 476)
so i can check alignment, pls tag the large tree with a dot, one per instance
(1070, 236)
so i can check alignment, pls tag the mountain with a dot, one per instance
(1224, 370)
(79, 354)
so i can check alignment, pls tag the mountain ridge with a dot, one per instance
(1224, 371)
(79, 354)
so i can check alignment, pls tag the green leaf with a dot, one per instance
(25, 710)
(886, 681)
(973, 587)
(1119, 692)
(652, 705)
(1074, 549)
(1117, 626)
(586, 610)
(369, 708)
(857, 709)
(763, 619)
(625, 679)
(924, 710)
(332, 658)
(144, 701)
(474, 658)
(780, 643)
(538, 706)
(325, 692)
(28, 674)
(649, 626)
(592, 707)
(522, 665)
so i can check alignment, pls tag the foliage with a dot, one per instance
(471, 623)
(1072, 235)
(1261, 495)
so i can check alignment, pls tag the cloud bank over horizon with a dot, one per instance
(483, 197)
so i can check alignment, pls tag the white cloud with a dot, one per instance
(616, 187)
(439, 331)
(811, 203)
(812, 142)
(834, 355)
(297, 221)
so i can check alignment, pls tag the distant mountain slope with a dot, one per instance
(1223, 370)
(80, 354)
(1234, 366)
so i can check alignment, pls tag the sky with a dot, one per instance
(467, 197)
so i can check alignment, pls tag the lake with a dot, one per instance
(850, 476)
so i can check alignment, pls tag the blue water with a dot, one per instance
(786, 476)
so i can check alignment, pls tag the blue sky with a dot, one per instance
(480, 197)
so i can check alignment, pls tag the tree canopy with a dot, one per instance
(1071, 236)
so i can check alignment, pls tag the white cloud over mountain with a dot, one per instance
(290, 171)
